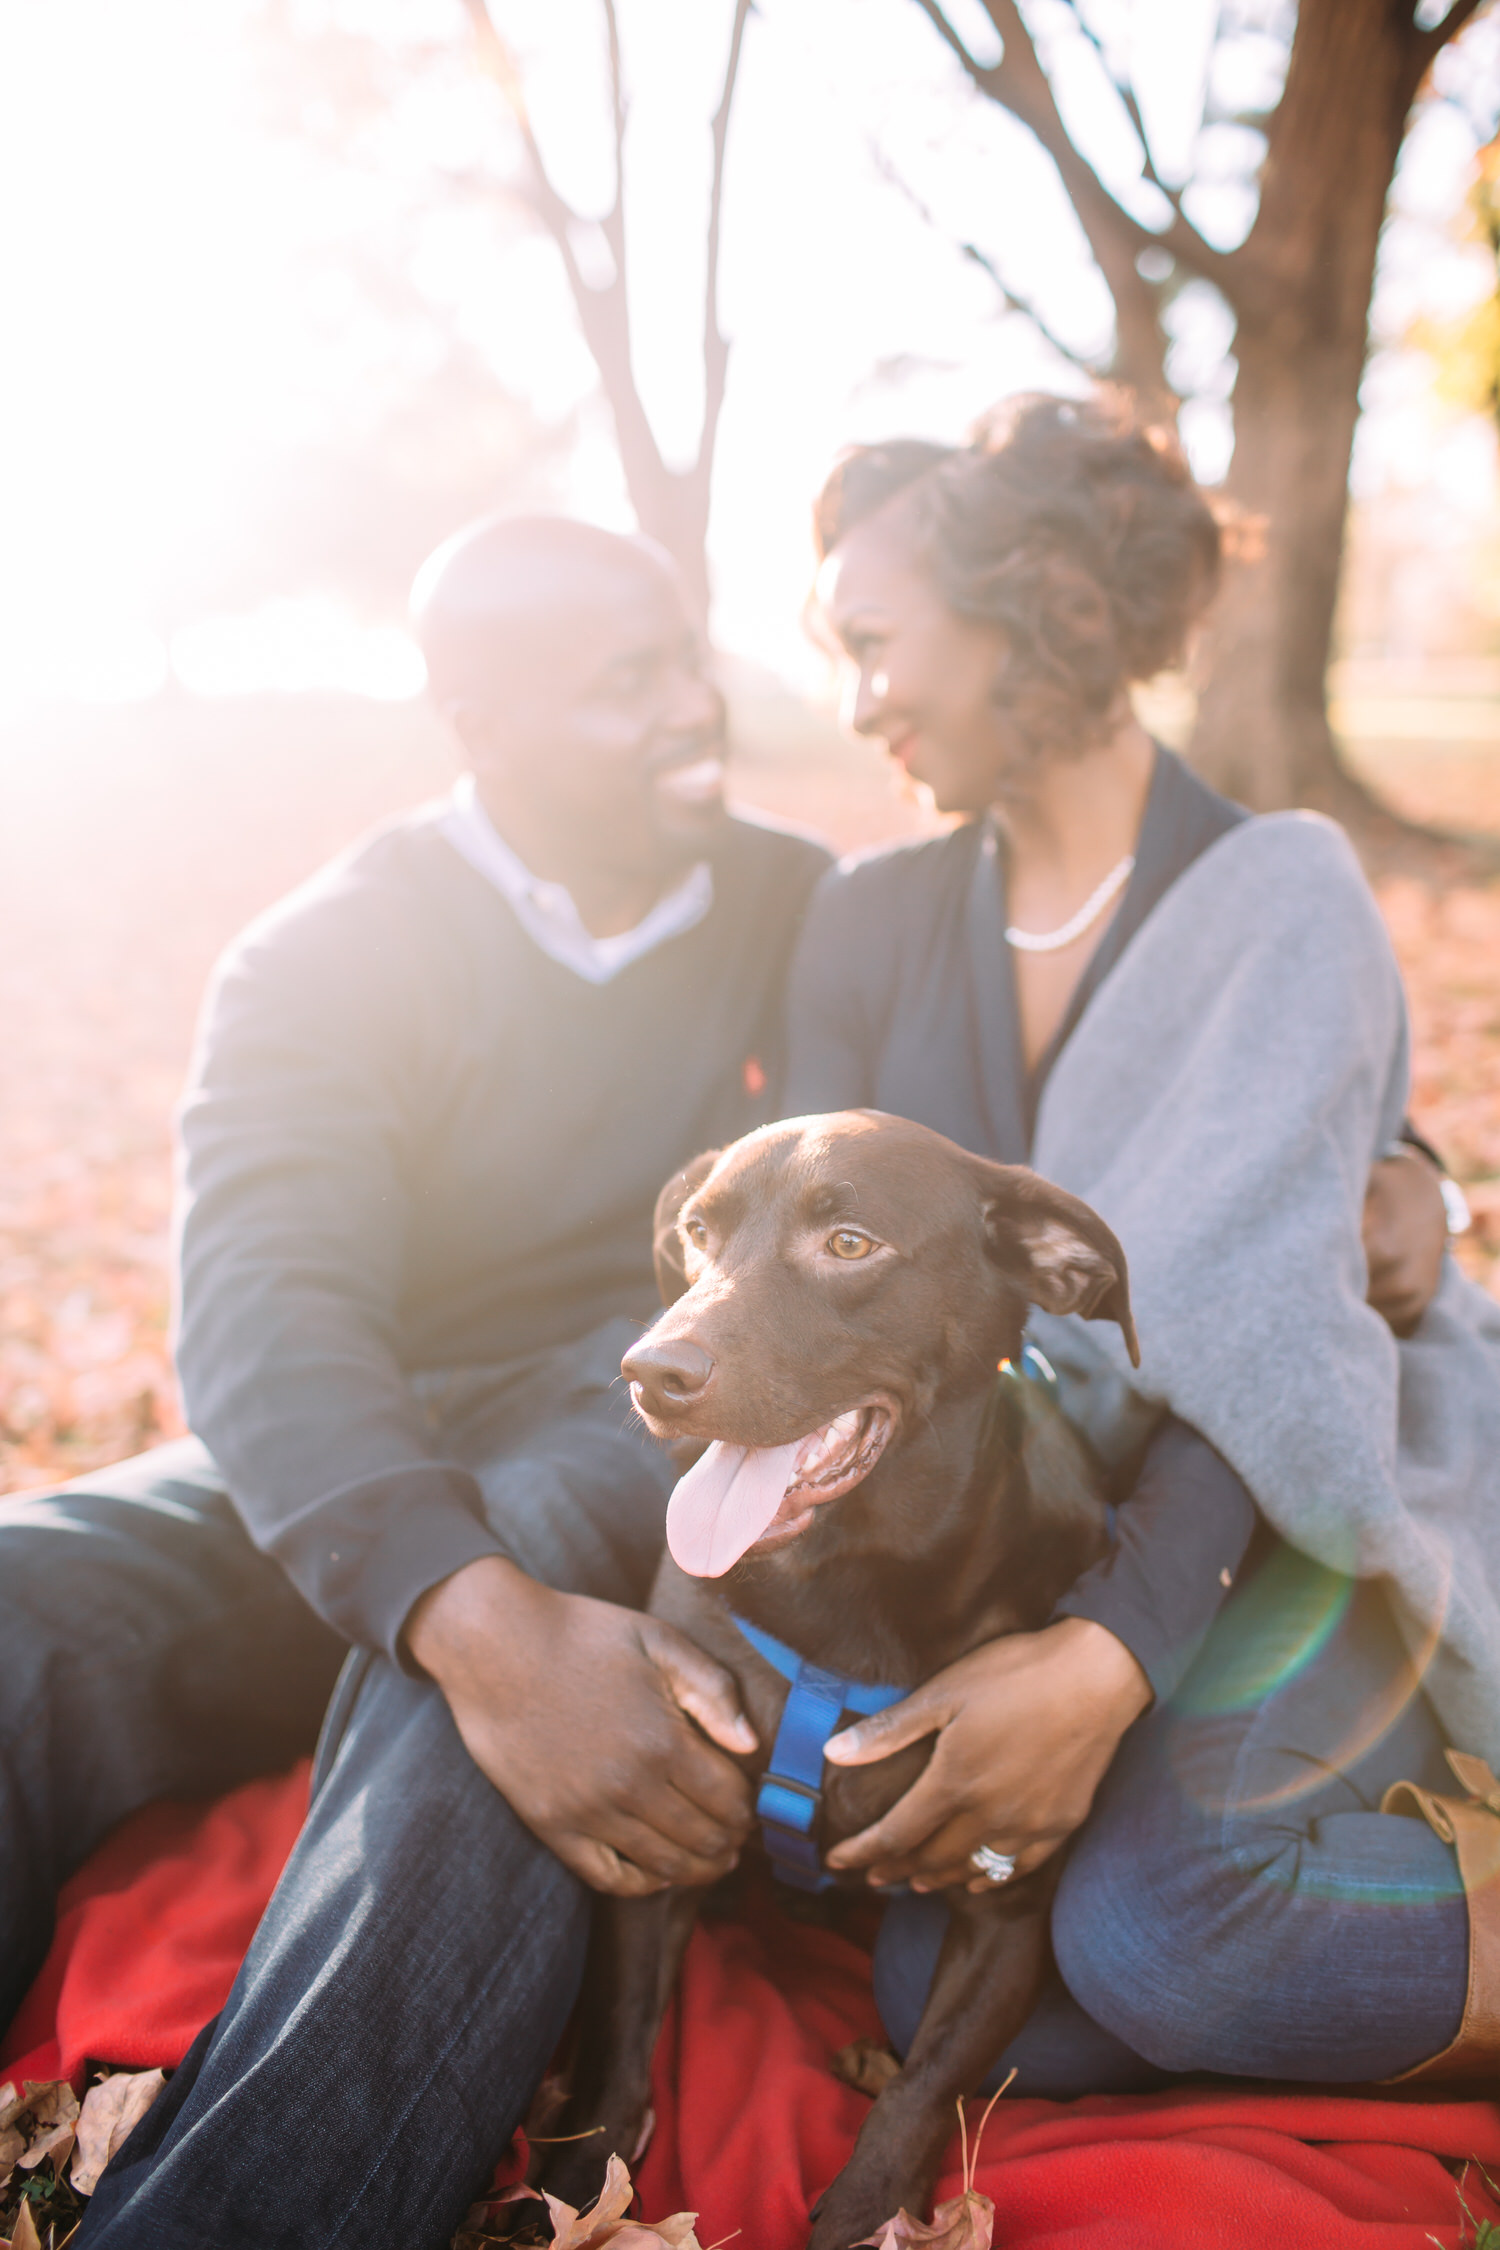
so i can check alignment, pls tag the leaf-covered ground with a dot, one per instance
(132, 847)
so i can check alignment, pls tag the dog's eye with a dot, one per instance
(847, 1242)
(695, 1232)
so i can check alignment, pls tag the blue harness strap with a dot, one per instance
(791, 1789)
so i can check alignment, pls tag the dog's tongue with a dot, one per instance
(725, 1503)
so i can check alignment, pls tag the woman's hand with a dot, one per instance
(1025, 1730)
(1405, 1234)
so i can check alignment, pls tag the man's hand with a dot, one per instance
(1025, 1730)
(1405, 1234)
(579, 1714)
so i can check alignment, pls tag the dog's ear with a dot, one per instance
(1055, 1249)
(666, 1250)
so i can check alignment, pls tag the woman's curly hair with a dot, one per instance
(1073, 527)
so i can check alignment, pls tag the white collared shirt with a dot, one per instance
(546, 911)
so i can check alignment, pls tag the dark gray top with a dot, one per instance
(903, 998)
(412, 1141)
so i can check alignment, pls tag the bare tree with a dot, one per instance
(1299, 288)
(671, 504)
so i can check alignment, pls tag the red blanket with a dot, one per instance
(750, 2122)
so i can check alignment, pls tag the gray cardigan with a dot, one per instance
(1221, 1103)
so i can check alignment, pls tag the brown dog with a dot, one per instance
(839, 1292)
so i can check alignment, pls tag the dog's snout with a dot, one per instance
(672, 1374)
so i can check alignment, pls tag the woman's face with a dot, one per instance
(921, 677)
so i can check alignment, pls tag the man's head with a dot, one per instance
(566, 661)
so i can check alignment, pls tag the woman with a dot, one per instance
(1192, 1019)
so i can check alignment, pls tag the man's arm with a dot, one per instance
(578, 1712)
(297, 1136)
(301, 1134)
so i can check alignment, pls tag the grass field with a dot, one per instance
(135, 841)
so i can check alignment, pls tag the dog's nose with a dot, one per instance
(671, 1374)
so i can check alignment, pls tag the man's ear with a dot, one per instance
(666, 1249)
(1057, 1251)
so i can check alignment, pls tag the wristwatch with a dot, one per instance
(1455, 1202)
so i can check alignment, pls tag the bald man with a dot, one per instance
(436, 1092)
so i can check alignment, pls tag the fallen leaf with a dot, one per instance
(604, 2222)
(111, 2111)
(10, 2103)
(676, 2232)
(867, 2065)
(56, 2142)
(964, 2222)
(51, 2101)
(572, 2231)
(24, 2235)
(52, 2108)
(11, 2145)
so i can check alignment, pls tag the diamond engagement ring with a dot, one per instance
(995, 1867)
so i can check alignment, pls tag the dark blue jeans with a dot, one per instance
(421, 1953)
(1236, 1902)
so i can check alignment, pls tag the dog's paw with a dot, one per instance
(853, 2210)
(574, 2175)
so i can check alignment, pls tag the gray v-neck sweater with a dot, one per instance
(413, 1142)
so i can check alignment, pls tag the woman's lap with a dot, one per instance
(1236, 1901)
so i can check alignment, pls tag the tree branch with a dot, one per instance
(613, 222)
(945, 31)
(603, 313)
(1126, 96)
(1013, 301)
(715, 348)
(670, 504)
(1010, 299)
(1019, 84)
(1427, 45)
(556, 215)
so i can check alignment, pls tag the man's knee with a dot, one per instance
(148, 1639)
(410, 1844)
(183, 1466)
(392, 1757)
(162, 1516)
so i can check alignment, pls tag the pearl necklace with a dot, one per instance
(1052, 941)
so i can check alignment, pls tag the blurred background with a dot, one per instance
(294, 287)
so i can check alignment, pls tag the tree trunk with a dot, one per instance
(1262, 733)
(1301, 292)
(671, 507)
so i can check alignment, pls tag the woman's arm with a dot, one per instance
(1405, 1231)
(1180, 1539)
(1026, 1726)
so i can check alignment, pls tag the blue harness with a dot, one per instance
(791, 1789)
